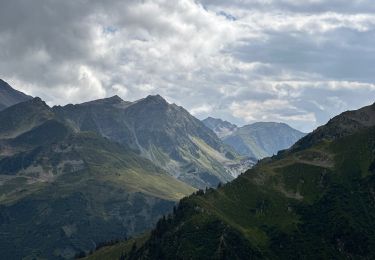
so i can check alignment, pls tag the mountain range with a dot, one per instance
(164, 133)
(312, 201)
(74, 176)
(63, 191)
(257, 140)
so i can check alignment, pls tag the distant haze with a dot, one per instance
(257, 140)
(297, 62)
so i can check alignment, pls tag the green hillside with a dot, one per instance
(315, 201)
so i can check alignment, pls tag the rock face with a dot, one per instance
(10, 96)
(257, 140)
(164, 133)
(313, 201)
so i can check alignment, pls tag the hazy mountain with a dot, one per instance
(314, 201)
(10, 96)
(62, 191)
(220, 127)
(256, 140)
(164, 133)
(262, 139)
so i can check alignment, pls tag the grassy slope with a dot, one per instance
(207, 160)
(314, 203)
(116, 194)
(124, 167)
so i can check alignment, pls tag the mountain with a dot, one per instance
(164, 133)
(64, 191)
(220, 127)
(10, 96)
(256, 140)
(262, 139)
(346, 124)
(313, 201)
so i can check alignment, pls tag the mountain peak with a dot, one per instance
(34, 104)
(107, 101)
(220, 127)
(9, 96)
(155, 98)
(37, 101)
(214, 120)
(115, 99)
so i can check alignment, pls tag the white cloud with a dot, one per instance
(201, 109)
(309, 23)
(121, 90)
(274, 110)
(220, 58)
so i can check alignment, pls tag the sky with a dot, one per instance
(292, 61)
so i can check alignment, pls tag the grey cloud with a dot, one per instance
(306, 6)
(343, 54)
(218, 58)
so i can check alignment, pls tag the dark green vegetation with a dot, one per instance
(257, 140)
(313, 201)
(64, 190)
(10, 96)
(117, 251)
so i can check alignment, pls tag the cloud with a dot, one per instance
(120, 89)
(306, 6)
(273, 110)
(303, 105)
(242, 60)
(201, 109)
